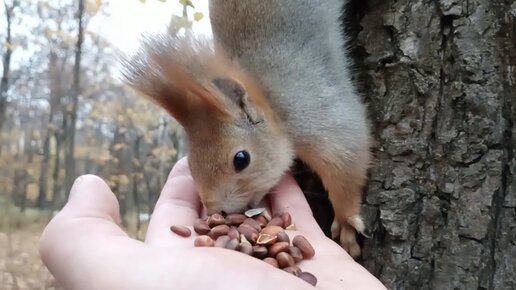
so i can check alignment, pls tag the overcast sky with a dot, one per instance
(127, 19)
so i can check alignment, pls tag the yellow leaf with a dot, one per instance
(123, 179)
(198, 16)
(10, 46)
(119, 146)
(186, 3)
(156, 151)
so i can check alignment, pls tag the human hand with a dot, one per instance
(84, 248)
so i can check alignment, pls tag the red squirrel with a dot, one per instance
(272, 85)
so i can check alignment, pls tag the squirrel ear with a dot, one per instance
(237, 94)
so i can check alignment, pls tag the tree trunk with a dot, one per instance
(57, 195)
(72, 109)
(438, 77)
(6, 61)
(43, 173)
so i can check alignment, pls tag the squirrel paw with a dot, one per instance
(345, 233)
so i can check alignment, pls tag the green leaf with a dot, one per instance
(186, 3)
(198, 16)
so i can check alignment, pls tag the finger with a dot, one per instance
(178, 204)
(288, 197)
(86, 223)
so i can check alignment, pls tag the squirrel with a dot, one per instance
(272, 85)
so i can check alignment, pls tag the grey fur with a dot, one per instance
(296, 49)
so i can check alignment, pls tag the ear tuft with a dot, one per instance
(170, 70)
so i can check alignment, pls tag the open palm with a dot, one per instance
(84, 247)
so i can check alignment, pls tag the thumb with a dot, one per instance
(90, 196)
(83, 230)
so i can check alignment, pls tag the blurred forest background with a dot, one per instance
(438, 77)
(64, 112)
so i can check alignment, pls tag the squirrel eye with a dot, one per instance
(241, 160)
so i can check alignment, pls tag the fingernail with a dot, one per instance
(75, 186)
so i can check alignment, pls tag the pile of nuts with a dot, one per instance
(257, 234)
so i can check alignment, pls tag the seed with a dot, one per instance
(276, 221)
(271, 230)
(267, 215)
(308, 277)
(305, 247)
(201, 227)
(265, 239)
(285, 260)
(249, 232)
(232, 244)
(252, 223)
(295, 252)
(233, 233)
(181, 230)
(221, 241)
(216, 220)
(291, 227)
(271, 261)
(261, 220)
(283, 237)
(287, 219)
(294, 270)
(276, 248)
(203, 241)
(246, 248)
(235, 219)
(254, 211)
(260, 252)
(218, 231)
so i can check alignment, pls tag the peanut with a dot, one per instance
(253, 223)
(204, 241)
(271, 261)
(222, 241)
(294, 270)
(181, 230)
(261, 220)
(246, 248)
(201, 227)
(271, 230)
(260, 252)
(232, 244)
(287, 219)
(278, 247)
(308, 277)
(265, 239)
(216, 220)
(250, 233)
(295, 252)
(233, 233)
(257, 234)
(218, 231)
(285, 260)
(276, 221)
(283, 237)
(305, 247)
(235, 219)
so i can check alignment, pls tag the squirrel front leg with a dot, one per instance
(344, 178)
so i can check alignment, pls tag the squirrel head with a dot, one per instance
(237, 147)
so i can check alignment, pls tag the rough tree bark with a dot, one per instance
(441, 201)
